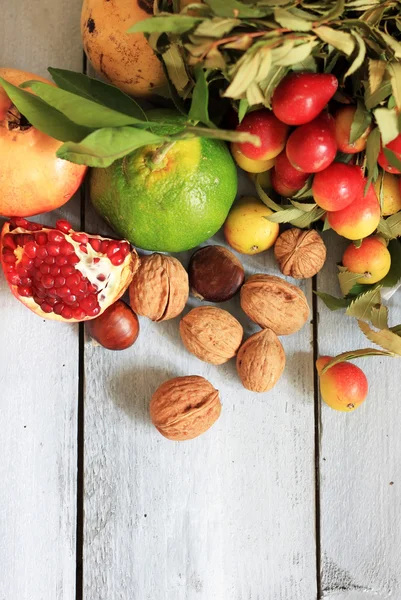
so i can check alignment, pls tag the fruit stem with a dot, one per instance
(157, 157)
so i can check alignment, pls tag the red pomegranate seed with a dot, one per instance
(63, 225)
(73, 259)
(61, 260)
(66, 248)
(71, 299)
(25, 238)
(82, 288)
(37, 277)
(81, 238)
(21, 271)
(93, 312)
(96, 260)
(9, 258)
(67, 270)
(101, 277)
(50, 260)
(38, 300)
(41, 238)
(57, 308)
(92, 288)
(95, 243)
(55, 236)
(104, 246)
(46, 307)
(19, 222)
(9, 269)
(73, 280)
(26, 281)
(88, 303)
(37, 262)
(64, 291)
(52, 301)
(125, 249)
(42, 252)
(52, 292)
(54, 270)
(26, 262)
(83, 248)
(9, 241)
(40, 292)
(53, 249)
(8, 251)
(117, 259)
(66, 312)
(112, 249)
(47, 282)
(13, 278)
(30, 249)
(44, 269)
(59, 281)
(35, 227)
(26, 291)
(79, 314)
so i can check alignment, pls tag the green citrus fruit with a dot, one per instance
(173, 205)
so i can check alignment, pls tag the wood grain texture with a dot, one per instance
(38, 368)
(227, 516)
(360, 466)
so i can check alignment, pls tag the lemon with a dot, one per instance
(248, 229)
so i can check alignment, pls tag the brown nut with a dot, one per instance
(299, 253)
(273, 303)
(115, 329)
(185, 407)
(215, 274)
(261, 361)
(211, 333)
(159, 289)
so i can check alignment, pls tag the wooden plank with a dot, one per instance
(228, 515)
(38, 368)
(360, 466)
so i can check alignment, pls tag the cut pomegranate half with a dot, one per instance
(62, 274)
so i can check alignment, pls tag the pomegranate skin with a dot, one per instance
(312, 147)
(300, 97)
(32, 179)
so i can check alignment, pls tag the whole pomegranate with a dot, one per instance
(32, 179)
(62, 274)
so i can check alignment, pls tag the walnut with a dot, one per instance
(185, 407)
(273, 303)
(299, 253)
(261, 361)
(212, 334)
(159, 289)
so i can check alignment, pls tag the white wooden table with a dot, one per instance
(283, 499)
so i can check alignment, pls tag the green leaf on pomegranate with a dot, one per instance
(354, 354)
(361, 306)
(362, 120)
(102, 147)
(388, 340)
(98, 91)
(166, 23)
(387, 121)
(82, 111)
(379, 316)
(44, 117)
(199, 110)
(341, 40)
(372, 152)
(347, 280)
(332, 302)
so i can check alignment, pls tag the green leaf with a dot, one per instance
(216, 28)
(384, 337)
(165, 24)
(392, 158)
(332, 302)
(102, 147)
(45, 118)
(303, 206)
(383, 92)
(234, 8)
(361, 307)
(394, 70)
(98, 91)
(80, 110)
(307, 218)
(247, 69)
(347, 280)
(396, 329)
(285, 216)
(286, 19)
(379, 316)
(296, 55)
(377, 68)
(353, 354)
(362, 120)
(242, 109)
(175, 66)
(387, 121)
(384, 229)
(336, 11)
(266, 199)
(392, 42)
(339, 39)
(359, 58)
(357, 243)
(199, 110)
(372, 152)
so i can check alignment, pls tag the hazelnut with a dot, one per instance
(184, 407)
(211, 334)
(273, 303)
(299, 253)
(115, 329)
(261, 361)
(215, 274)
(159, 289)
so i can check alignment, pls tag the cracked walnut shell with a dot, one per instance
(261, 361)
(299, 253)
(185, 407)
(159, 289)
(212, 334)
(273, 303)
